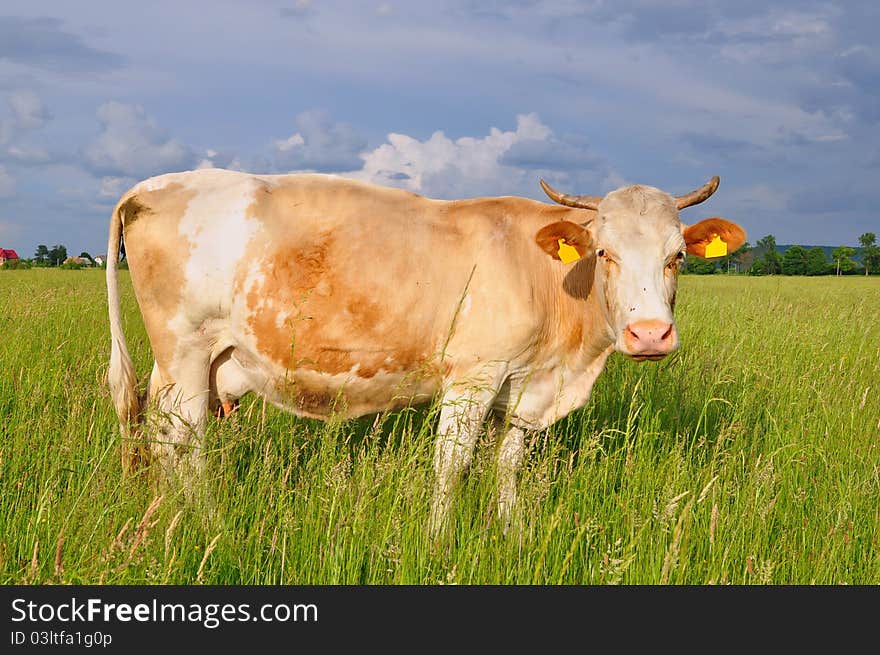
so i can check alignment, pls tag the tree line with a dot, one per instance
(46, 257)
(764, 259)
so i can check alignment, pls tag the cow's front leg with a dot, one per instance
(541, 399)
(510, 455)
(462, 414)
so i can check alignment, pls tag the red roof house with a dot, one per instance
(7, 255)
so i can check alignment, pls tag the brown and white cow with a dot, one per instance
(325, 295)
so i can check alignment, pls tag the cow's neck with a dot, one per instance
(583, 328)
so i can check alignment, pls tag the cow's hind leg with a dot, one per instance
(179, 406)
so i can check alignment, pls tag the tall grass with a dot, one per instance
(750, 456)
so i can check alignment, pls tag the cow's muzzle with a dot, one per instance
(649, 340)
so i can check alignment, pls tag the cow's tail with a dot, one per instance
(121, 376)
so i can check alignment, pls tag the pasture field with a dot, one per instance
(751, 456)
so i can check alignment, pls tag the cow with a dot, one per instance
(330, 296)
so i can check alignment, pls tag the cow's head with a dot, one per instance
(639, 243)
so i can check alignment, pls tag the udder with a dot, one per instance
(229, 382)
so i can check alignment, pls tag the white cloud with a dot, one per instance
(283, 145)
(131, 144)
(28, 110)
(468, 166)
(215, 159)
(28, 113)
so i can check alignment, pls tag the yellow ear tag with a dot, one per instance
(567, 253)
(716, 248)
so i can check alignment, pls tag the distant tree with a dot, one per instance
(794, 262)
(57, 255)
(41, 256)
(743, 258)
(766, 243)
(699, 266)
(843, 261)
(86, 255)
(816, 262)
(768, 261)
(870, 252)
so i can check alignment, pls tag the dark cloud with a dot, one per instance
(300, 9)
(860, 65)
(568, 152)
(792, 138)
(652, 21)
(825, 198)
(493, 10)
(43, 42)
(860, 68)
(320, 144)
(713, 144)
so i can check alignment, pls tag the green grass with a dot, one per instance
(750, 456)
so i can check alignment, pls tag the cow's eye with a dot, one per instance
(601, 253)
(675, 261)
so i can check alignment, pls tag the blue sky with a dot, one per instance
(449, 99)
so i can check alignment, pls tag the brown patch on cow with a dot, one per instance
(157, 257)
(365, 314)
(575, 336)
(317, 402)
(132, 209)
(291, 276)
(310, 395)
(334, 324)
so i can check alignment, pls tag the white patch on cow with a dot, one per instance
(466, 305)
(218, 230)
(281, 319)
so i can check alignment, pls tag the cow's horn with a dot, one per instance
(581, 202)
(698, 196)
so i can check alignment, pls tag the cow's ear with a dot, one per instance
(718, 233)
(564, 240)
